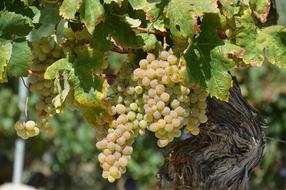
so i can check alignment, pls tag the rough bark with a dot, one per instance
(222, 156)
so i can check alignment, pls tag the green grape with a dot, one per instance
(157, 100)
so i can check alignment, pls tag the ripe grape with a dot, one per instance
(156, 100)
(26, 129)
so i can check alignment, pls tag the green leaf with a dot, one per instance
(198, 58)
(92, 114)
(119, 2)
(54, 70)
(246, 38)
(88, 88)
(123, 33)
(92, 13)
(281, 7)
(230, 7)
(159, 25)
(261, 9)
(273, 43)
(69, 8)
(133, 22)
(101, 39)
(62, 92)
(27, 2)
(90, 59)
(141, 5)
(150, 41)
(260, 46)
(50, 14)
(117, 61)
(41, 32)
(222, 60)
(5, 54)
(210, 59)
(37, 14)
(12, 23)
(182, 17)
(20, 60)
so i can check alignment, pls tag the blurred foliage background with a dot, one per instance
(65, 156)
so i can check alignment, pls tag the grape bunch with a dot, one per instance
(197, 115)
(127, 111)
(26, 129)
(169, 105)
(156, 99)
(45, 52)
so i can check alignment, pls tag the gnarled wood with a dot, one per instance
(221, 157)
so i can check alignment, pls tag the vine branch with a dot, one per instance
(151, 31)
(100, 75)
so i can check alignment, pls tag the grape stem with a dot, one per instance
(36, 73)
(121, 50)
(152, 31)
(100, 75)
(105, 76)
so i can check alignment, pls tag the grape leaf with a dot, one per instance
(140, 5)
(150, 41)
(182, 17)
(12, 23)
(62, 92)
(222, 60)
(41, 32)
(88, 88)
(230, 7)
(50, 14)
(60, 71)
(27, 2)
(91, 14)
(5, 54)
(37, 14)
(101, 38)
(210, 58)
(122, 33)
(198, 57)
(69, 8)
(159, 25)
(246, 38)
(54, 70)
(21, 59)
(261, 9)
(133, 22)
(272, 40)
(90, 59)
(88, 91)
(281, 7)
(116, 1)
(261, 45)
(117, 61)
(90, 114)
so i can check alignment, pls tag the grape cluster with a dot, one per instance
(197, 115)
(155, 99)
(165, 97)
(116, 147)
(26, 129)
(45, 52)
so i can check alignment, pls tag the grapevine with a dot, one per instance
(153, 98)
(168, 64)
(45, 52)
